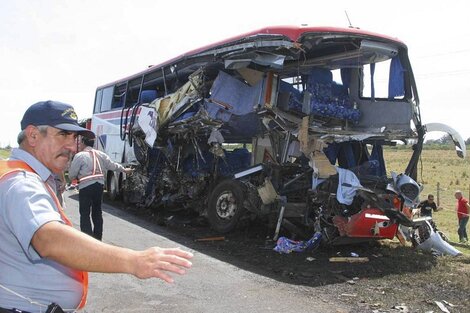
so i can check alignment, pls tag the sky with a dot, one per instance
(63, 49)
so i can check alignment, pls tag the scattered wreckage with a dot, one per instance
(285, 124)
(427, 237)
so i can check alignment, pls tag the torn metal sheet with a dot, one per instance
(267, 192)
(426, 238)
(148, 123)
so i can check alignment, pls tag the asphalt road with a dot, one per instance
(209, 286)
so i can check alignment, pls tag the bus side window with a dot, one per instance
(117, 103)
(98, 97)
(107, 99)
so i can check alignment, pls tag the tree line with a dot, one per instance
(444, 140)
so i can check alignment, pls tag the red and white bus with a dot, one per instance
(286, 124)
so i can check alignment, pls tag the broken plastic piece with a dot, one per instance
(430, 240)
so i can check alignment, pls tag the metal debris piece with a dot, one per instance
(426, 238)
(448, 303)
(401, 308)
(442, 307)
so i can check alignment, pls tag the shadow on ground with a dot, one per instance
(251, 249)
(394, 275)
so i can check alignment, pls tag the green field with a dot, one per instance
(4, 153)
(437, 167)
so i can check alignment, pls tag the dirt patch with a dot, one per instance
(394, 278)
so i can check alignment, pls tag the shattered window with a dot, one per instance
(293, 83)
(337, 76)
(378, 82)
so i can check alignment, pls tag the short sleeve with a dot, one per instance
(27, 206)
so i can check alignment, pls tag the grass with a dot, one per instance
(442, 173)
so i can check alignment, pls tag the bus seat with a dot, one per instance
(320, 76)
(328, 98)
(243, 156)
(147, 96)
(237, 160)
(290, 98)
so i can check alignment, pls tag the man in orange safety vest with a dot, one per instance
(44, 262)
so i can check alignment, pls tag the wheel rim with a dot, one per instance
(226, 206)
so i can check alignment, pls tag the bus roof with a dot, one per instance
(292, 33)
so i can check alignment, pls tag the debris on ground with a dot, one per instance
(401, 308)
(218, 238)
(442, 307)
(448, 303)
(286, 245)
(394, 275)
(349, 259)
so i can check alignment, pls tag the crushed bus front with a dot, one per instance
(287, 124)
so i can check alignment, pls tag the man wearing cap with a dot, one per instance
(44, 260)
(88, 167)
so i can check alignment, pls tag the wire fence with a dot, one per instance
(438, 200)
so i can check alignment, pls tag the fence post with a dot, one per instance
(438, 202)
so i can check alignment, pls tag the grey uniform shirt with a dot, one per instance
(25, 206)
(82, 166)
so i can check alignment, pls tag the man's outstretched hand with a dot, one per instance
(160, 262)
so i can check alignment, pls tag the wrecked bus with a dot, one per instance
(284, 124)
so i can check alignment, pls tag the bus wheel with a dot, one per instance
(112, 187)
(225, 206)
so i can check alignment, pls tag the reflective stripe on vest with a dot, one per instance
(96, 164)
(11, 166)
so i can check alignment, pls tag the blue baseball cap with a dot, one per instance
(56, 114)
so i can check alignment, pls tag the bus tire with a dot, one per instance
(112, 187)
(225, 206)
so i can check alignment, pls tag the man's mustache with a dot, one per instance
(65, 153)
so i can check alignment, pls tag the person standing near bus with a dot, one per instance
(427, 206)
(463, 208)
(44, 259)
(60, 187)
(88, 167)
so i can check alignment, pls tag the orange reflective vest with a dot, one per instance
(96, 165)
(10, 166)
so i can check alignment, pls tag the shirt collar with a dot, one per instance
(38, 167)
